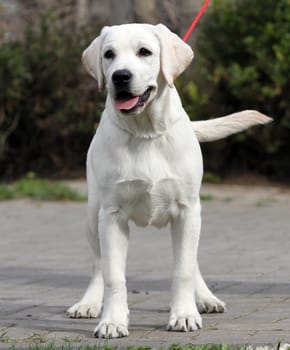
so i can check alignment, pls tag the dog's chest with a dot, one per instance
(146, 202)
(149, 181)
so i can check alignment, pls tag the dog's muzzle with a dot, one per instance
(125, 101)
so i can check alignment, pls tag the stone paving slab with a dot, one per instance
(244, 256)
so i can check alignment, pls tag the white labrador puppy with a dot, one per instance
(145, 165)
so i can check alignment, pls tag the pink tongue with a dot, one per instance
(126, 104)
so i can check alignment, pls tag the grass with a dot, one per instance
(33, 187)
(40, 342)
(211, 178)
(4, 338)
(264, 202)
(206, 197)
(70, 346)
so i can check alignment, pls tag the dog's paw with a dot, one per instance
(210, 304)
(185, 323)
(110, 330)
(83, 310)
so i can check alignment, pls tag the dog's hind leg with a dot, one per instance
(91, 303)
(206, 301)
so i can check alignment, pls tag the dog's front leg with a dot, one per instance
(114, 235)
(185, 230)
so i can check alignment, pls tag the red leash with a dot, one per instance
(196, 19)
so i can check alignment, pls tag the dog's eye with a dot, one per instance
(109, 54)
(144, 52)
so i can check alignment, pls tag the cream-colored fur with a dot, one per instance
(145, 165)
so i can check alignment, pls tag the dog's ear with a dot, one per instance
(176, 55)
(92, 59)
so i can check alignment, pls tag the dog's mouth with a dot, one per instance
(126, 102)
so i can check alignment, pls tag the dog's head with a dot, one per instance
(132, 58)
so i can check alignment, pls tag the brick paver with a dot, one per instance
(244, 256)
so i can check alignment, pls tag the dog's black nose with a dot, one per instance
(122, 77)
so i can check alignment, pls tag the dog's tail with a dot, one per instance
(219, 128)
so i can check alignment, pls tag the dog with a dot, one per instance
(145, 165)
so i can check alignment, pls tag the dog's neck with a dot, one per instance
(159, 116)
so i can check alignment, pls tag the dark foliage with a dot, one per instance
(49, 106)
(242, 62)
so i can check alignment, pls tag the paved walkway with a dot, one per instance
(244, 256)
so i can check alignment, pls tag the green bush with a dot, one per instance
(242, 62)
(49, 106)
